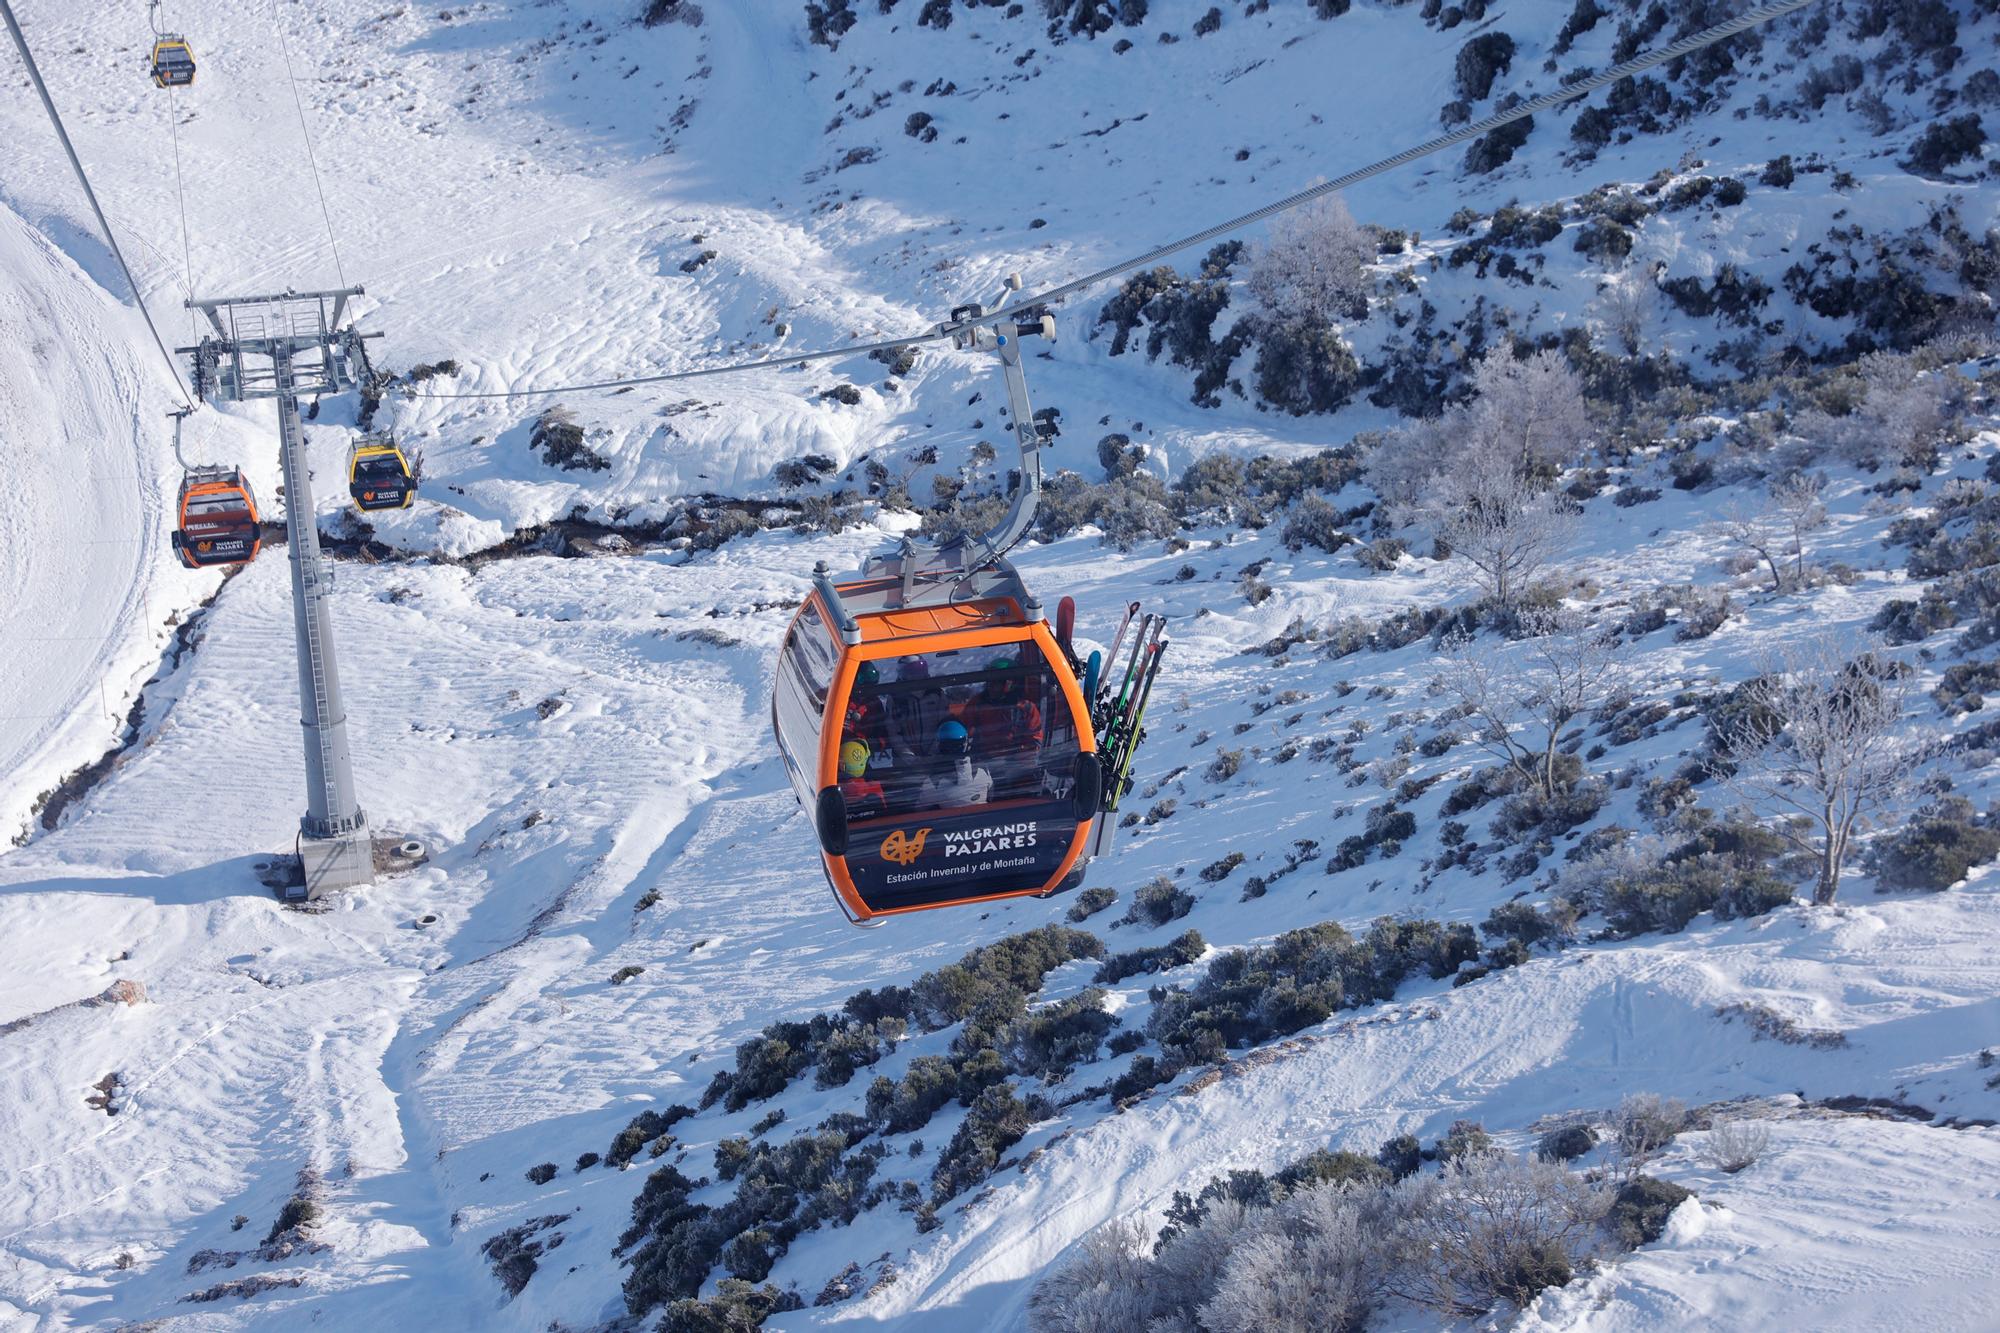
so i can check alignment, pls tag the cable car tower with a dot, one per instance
(279, 347)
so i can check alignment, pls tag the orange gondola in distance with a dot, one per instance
(379, 475)
(218, 520)
(940, 738)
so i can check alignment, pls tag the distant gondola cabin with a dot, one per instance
(173, 62)
(940, 739)
(379, 475)
(218, 519)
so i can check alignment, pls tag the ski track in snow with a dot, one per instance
(514, 198)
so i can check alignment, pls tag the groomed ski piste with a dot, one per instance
(582, 743)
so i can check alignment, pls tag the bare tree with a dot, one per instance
(1625, 306)
(1509, 529)
(1776, 531)
(1315, 264)
(1529, 410)
(1819, 736)
(1526, 695)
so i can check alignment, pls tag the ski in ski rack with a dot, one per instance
(1119, 711)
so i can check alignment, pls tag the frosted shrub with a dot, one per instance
(1646, 1122)
(1489, 1228)
(1315, 522)
(1311, 1263)
(1101, 1289)
(1191, 1260)
(1735, 1144)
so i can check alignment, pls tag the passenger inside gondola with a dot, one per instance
(863, 794)
(958, 728)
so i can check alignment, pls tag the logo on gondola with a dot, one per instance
(904, 850)
(204, 547)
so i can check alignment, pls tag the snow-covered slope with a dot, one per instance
(581, 743)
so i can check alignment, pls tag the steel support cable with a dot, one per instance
(180, 193)
(298, 103)
(104, 224)
(1637, 65)
(1686, 46)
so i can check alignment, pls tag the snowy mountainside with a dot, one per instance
(344, 1117)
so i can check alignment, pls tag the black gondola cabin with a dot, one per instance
(379, 475)
(173, 62)
(939, 737)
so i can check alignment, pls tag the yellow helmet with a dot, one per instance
(853, 759)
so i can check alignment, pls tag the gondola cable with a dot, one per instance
(305, 133)
(945, 332)
(104, 224)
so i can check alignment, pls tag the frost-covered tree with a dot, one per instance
(1524, 696)
(1510, 529)
(1820, 737)
(1626, 307)
(1775, 532)
(1530, 409)
(1314, 266)
(1525, 422)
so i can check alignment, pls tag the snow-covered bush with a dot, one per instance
(1491, 1227)
(1735, 1144)
(1091, 901)
(1311, 1262)
(1186, 948)
(1315, 522)
(996, 1122)
(1937, 849)
(1158, 902)
(1645, 1123)
(1103, 1286)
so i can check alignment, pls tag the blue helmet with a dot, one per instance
(952, 737)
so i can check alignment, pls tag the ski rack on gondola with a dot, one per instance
(1119, 714)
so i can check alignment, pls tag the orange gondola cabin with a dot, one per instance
(938, 735)
(218, 519)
